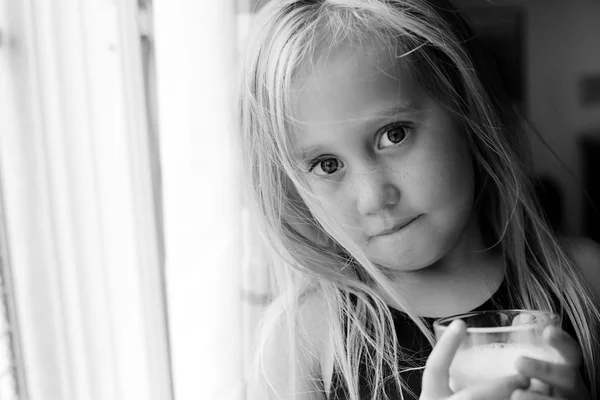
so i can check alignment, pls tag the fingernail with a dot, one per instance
(524, 381)
(552, 332)
(456, 324)
(521, 363)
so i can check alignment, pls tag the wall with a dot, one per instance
(562, 44)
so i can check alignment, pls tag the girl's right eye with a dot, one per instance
(326, 166)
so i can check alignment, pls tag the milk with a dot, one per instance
(477, 364)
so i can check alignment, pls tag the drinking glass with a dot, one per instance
(494, 341)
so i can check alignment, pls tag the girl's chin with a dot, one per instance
(393, 266)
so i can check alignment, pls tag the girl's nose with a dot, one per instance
(375, 193)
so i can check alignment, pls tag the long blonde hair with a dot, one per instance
(439, 50)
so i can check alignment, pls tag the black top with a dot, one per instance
(416, 347)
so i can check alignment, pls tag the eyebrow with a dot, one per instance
(400, 108)
(308, 154)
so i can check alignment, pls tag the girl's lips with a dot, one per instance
(397, 234)
(397, 227)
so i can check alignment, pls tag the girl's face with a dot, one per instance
(384, 160)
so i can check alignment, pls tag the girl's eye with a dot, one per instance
(326, 166)
(392, 136)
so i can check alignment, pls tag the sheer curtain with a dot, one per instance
(196, 76)
(255, 269)
(81, 235)
(95, 227)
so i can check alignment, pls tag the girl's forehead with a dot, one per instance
(348, 82)
(366, 62)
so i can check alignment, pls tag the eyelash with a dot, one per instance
(403, 125)
(407, 127)
(318, 160)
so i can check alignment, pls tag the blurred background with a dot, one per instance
(129, 265)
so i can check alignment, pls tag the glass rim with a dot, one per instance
(439, 323)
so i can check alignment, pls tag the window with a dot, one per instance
(127, 245)
(82, 238)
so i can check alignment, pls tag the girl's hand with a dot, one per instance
(564, 379)
(436, 377)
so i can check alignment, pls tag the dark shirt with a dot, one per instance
(416, 348)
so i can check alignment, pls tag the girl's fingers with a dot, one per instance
(564, 343)
(435, 376)
(563, 374)
(521, 336)
(520, 394)
(499, 389)
(559, 376)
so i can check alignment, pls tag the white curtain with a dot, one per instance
(77, 195)
(196, 76)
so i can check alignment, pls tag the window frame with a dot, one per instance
(82, 237)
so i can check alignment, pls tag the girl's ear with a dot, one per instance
(297, 215)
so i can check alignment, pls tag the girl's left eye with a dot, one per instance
(392, 135)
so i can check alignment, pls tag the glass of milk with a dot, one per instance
(494, 341)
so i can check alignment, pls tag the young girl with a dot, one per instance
(391, 179)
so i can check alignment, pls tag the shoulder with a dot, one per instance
(586, 254)
(293, 350)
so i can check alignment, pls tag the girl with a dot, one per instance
(391, 179)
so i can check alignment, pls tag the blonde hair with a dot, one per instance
(435, 44)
